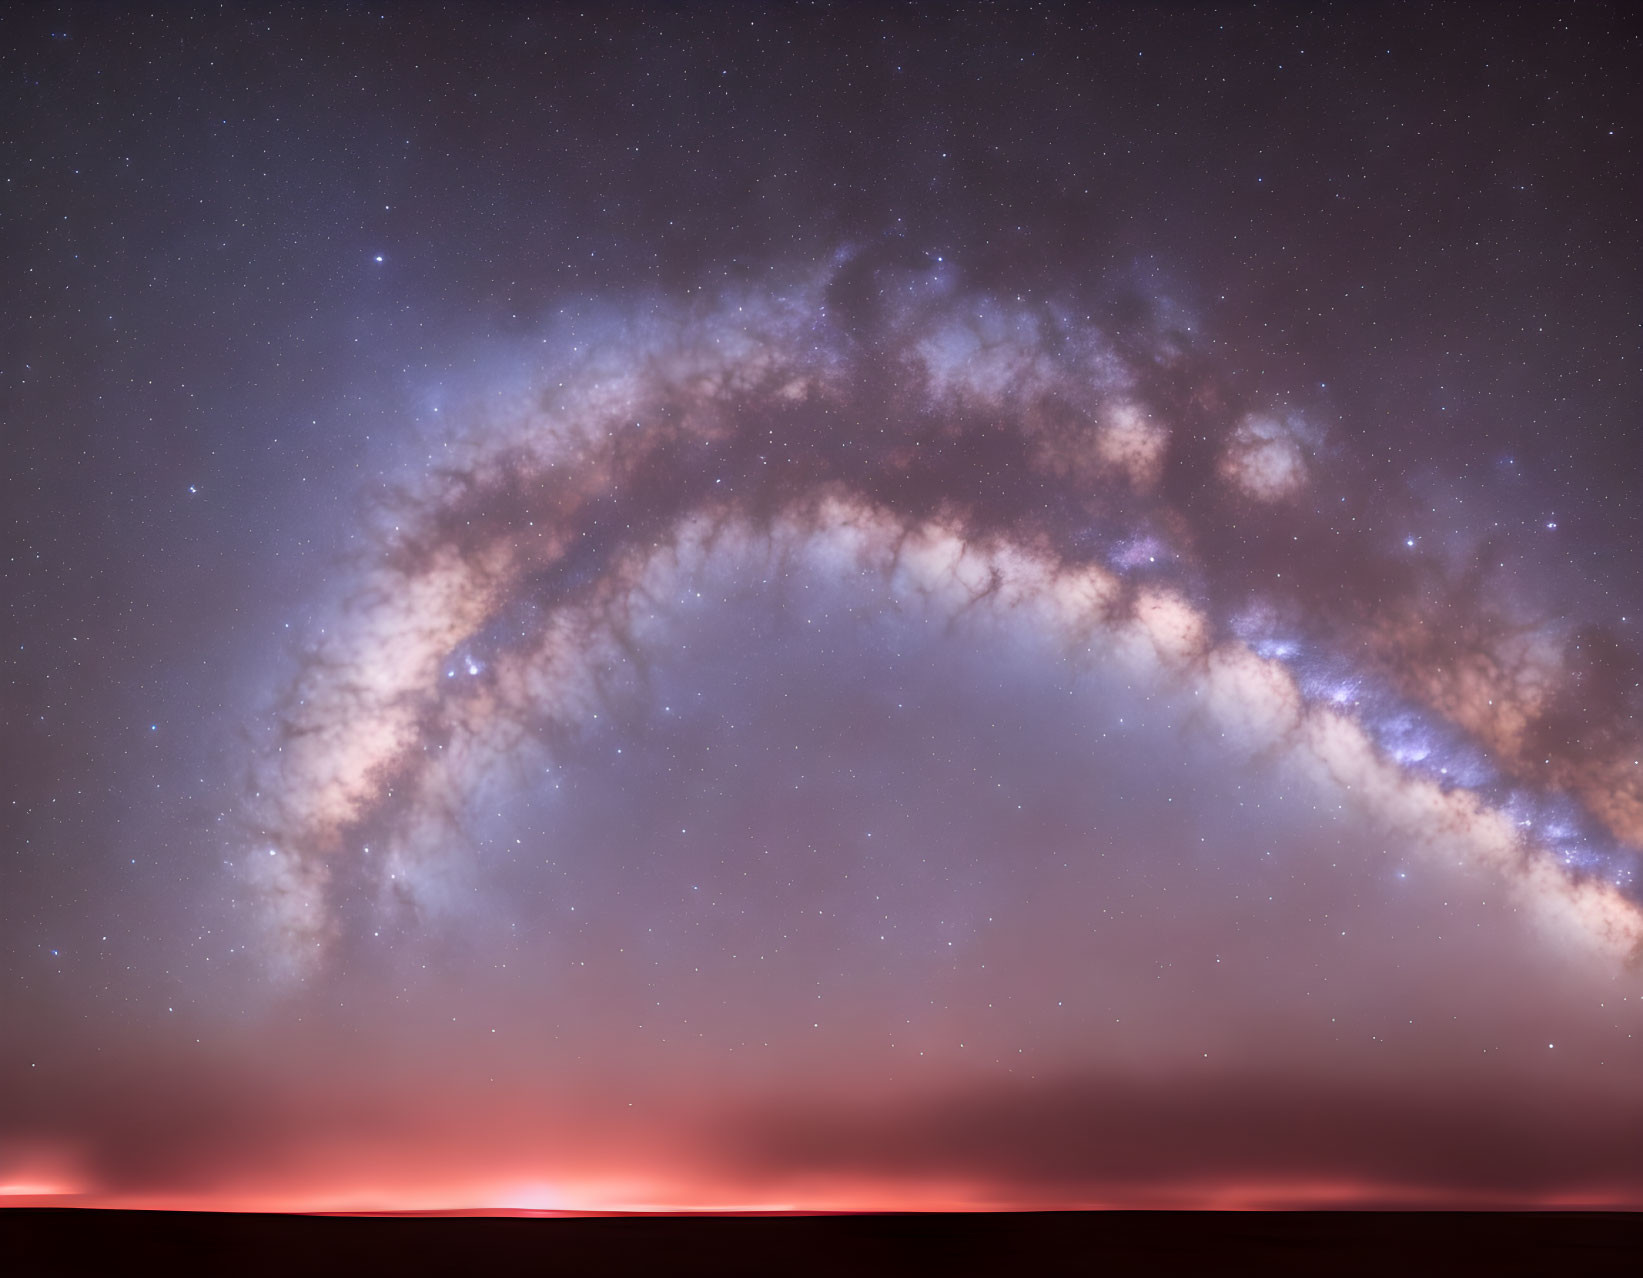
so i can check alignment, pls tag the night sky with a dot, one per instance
(821, 606)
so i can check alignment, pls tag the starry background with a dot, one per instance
(722, 855)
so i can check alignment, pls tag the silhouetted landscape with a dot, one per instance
(52, 1240)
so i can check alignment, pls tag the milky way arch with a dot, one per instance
(971, 450)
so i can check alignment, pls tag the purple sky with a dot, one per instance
(850, 608)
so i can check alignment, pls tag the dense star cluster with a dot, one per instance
(943, 452)
(859, 608)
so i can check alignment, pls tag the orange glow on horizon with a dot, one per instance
(618, 1198)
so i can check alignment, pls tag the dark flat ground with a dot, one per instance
(54, 1241)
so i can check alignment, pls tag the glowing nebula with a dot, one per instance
(952, 451)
